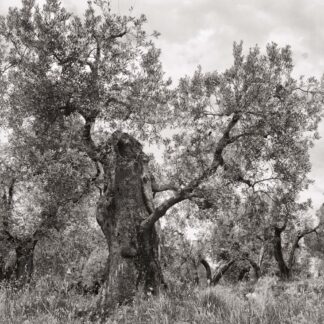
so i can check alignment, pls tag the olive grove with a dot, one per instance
(82, 96)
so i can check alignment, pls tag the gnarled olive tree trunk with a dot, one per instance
(133, 261)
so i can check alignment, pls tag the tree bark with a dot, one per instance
(133, 261)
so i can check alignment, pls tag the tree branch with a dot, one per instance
(185, 193)
(160, 211)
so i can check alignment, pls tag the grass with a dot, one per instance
(269, 301)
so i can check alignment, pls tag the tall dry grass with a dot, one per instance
(269, 301)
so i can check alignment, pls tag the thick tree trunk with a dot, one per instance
(133, 261)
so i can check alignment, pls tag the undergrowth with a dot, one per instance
(269, 301)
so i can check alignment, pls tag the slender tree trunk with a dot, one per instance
(284, 270)
(133, 261)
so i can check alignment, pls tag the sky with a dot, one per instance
(202, 32)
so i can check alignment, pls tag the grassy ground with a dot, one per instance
(49, 301)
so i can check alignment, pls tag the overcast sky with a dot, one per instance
(202, 32)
